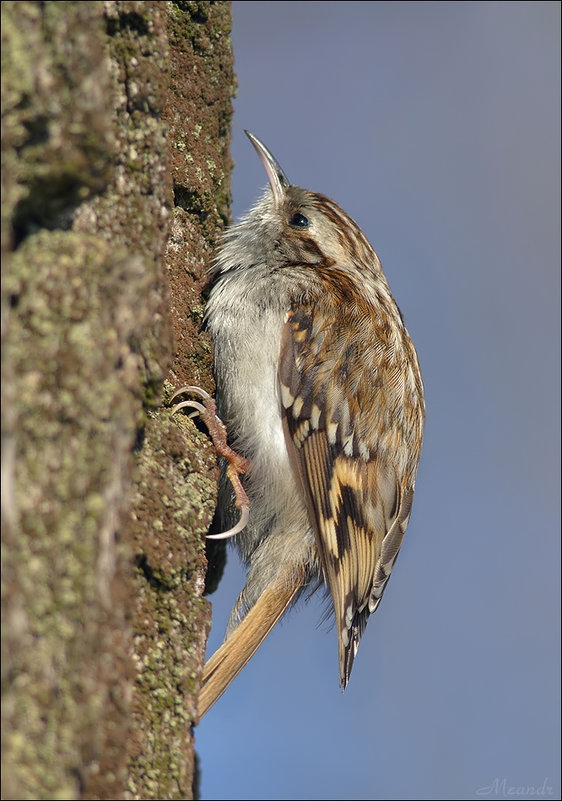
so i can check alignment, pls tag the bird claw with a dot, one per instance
(237, 464)
(197, 391)
(199, 408)
(240, 526)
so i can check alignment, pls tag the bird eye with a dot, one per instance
(299, 221)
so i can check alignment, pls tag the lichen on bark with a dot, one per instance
(115, 187)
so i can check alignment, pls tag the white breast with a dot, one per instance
(246, 334)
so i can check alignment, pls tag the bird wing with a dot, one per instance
(358, 504)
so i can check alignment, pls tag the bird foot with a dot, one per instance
(237, 465)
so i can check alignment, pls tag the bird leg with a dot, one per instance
(237, 464)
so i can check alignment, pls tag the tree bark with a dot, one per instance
(115, 188)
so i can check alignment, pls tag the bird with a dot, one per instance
(319, 388)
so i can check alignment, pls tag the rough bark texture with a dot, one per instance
(115, 188)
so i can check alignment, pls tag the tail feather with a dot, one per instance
(348, 651)
(227, 662)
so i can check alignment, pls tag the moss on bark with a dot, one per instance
(115, 186)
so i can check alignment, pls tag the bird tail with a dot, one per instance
(237, 650)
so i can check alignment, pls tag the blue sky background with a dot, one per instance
(437, 127)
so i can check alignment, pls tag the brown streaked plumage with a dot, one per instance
(319, 387)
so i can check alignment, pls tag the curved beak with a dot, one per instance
(277, 177)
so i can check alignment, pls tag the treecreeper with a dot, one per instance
(321, 396)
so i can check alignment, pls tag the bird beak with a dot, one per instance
(277, 177)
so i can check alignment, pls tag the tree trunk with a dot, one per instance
(115, 188)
